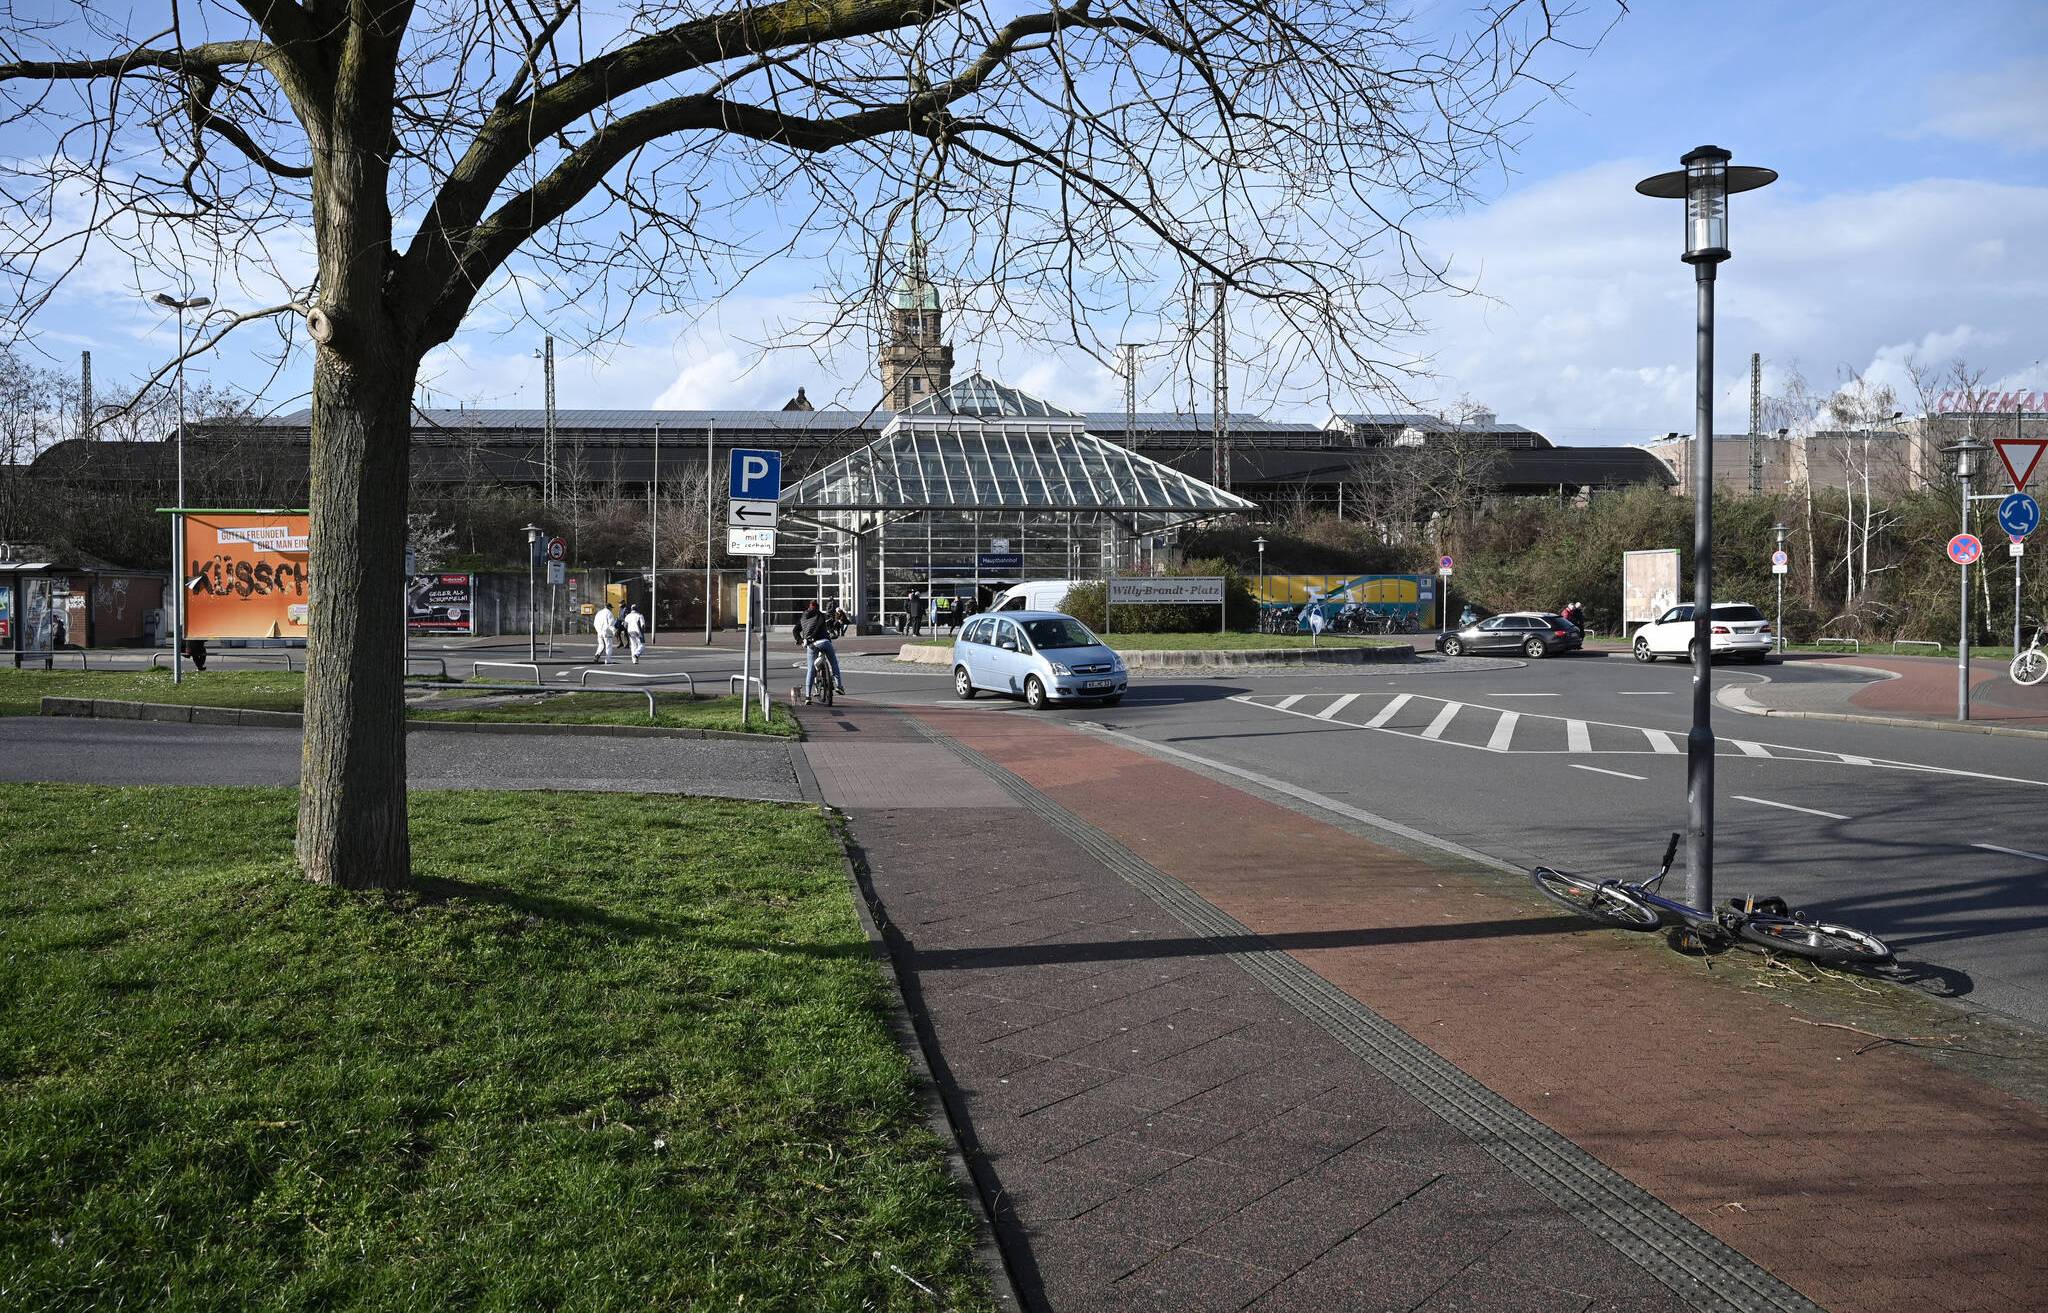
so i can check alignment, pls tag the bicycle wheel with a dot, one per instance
(821, 680)
(1608, 904)
(2030, 667)
(1816, 940)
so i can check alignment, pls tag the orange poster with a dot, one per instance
(245, 574)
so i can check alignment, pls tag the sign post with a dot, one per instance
(1444, 565)
(2019, 515)
(753, 486)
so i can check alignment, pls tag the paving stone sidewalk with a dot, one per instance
(1157, 1129)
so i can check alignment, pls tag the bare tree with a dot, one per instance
(435, 153)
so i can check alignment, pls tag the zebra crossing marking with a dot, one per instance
(1330, 712)
(1578, 736)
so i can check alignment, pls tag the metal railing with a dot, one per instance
(584, 679)
(1846, 642)
(647, 693)
(1898, 643)
(752, 682)
(439, 661)
(509, 665)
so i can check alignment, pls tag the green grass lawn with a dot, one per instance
(1236, 642)
(611, 1052)
(22, 692)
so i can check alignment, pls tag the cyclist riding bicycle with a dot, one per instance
(814, 630)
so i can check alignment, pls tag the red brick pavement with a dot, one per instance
(1870, 1180)
(1926, 687)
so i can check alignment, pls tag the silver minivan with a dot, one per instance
(1041, 656)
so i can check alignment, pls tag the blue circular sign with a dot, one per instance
(2019, 515)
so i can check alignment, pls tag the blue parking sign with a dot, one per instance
(756, 475)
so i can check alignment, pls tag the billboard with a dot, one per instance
(1405, 595)
(440, 604)
(1649, 584)
(244, 574)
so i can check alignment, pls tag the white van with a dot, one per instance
(1034, 595)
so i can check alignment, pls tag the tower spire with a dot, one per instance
(914, 361)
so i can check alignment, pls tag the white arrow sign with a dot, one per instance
(750, 514)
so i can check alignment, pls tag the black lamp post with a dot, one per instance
(1704, 184)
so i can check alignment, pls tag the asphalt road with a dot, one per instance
(1935, 840)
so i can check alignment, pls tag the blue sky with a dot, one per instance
(1909, 225)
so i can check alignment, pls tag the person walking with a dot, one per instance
(635, 626)
(607, 627)
(913, 607)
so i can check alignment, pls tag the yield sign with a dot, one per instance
(2020, 455)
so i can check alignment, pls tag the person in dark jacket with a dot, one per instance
(813, 629)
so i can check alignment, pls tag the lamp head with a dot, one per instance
(1705, 184)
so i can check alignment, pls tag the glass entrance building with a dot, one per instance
(972, 489)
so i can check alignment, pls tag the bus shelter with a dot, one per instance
(973, 489)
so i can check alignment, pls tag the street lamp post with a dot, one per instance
(169, 302)
(1260, 543)
(1778, 573)
(1704, 184)
(1965, 453)
(533, 537)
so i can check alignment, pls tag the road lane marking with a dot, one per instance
(1330, 712)
(2016, 852)
(1504, 731)
(1525, 695)
(1602, 770)
(1576, 737)
(1749, 749)
(1443, 720)
(1810, 811)
(1645, 693)
(1287, 702)
(1388, 711)
(1662, 743)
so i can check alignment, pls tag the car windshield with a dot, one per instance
(1061, 632)
(1737, 613)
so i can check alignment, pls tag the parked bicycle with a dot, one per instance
(1764, 921)
(2030, 666)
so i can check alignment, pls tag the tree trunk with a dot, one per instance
(352, 810)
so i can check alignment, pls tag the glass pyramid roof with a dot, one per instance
(981, 397)
(1026, 455)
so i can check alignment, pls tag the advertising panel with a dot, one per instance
(440, 604)
(1649, 584)
(1404, 598)
(245, 574)
(7, 614)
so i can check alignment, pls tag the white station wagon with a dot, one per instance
(1735, 628)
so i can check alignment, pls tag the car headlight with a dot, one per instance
(1059, 669)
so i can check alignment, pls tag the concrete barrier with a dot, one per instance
(938, 654)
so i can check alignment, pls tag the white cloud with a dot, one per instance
(2007, 105)
(1589, 335)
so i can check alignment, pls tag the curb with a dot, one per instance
(918, 1046)
(1737, 699)
(179, 714)
(927, 654)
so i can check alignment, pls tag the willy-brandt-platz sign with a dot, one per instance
(1149, 590)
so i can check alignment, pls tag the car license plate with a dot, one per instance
(1098, 683)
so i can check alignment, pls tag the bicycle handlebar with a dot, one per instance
(1670, 852)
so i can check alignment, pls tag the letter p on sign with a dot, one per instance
(756, 475)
